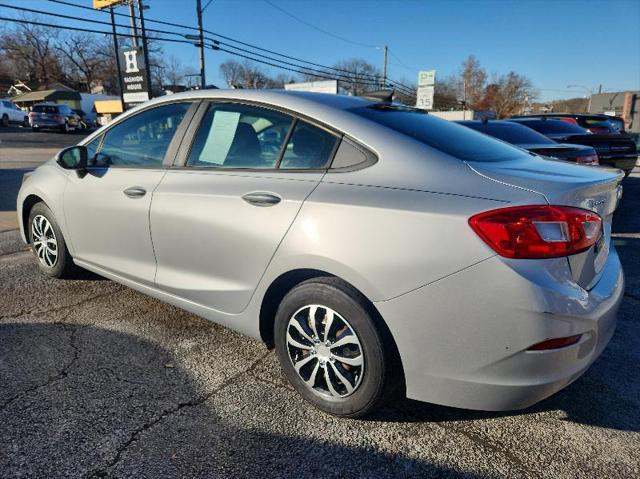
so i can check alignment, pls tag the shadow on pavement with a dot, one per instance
(10, 181)
(95, 402)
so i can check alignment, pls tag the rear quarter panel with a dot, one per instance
(384, 241)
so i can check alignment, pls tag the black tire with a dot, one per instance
(64, 266)
(5, 120)
(35, 128)
(381, 377)
(25, 122)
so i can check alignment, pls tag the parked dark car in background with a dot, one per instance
(533, 141)
(53, 116)
(616, 150)
(85, 122)
(598, 124)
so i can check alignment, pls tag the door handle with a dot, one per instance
(135, 192)
(260, 198)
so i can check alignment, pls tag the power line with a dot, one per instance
(218, 35)
(373, 78)
(309, 71)
(212, 47)
(321, 30)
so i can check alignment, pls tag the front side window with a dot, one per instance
(143, 139)
(308, 148)
(239, 136)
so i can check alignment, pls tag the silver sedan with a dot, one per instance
(383, 252)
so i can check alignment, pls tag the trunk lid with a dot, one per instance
(593, 188)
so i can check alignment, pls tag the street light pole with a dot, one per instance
(145, 49)
(203, 81)
(384, 68)
(134, 27)
(115, 47)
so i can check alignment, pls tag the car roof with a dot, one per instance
(277, 97)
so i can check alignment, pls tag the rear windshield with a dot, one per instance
(510, 132)
(553, 126)
(446, 136)
(45, 109)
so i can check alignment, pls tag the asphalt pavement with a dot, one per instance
(97, 380)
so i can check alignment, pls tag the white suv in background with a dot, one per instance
(10, 113)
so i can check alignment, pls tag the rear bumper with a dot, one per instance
(463, 340)
(626, 163)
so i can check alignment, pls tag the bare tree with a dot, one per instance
(509, 93)
(472, 82)
(445, 96)
(31, 52)
(247, 75)
(361, 75)
(83, 58)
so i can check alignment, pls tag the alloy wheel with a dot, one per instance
(325, 351)
(44, 241)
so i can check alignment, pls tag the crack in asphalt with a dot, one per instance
(104, 471)
(476, 439)
(632, 296)
(40, 312)
(63, 373)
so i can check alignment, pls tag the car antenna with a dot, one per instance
(382, 96)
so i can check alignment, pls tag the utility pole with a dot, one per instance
(145, 48)
(134, 26)
(115, 47)
(384, 68)
(203, 82)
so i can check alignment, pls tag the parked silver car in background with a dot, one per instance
(382, 251)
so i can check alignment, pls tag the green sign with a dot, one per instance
(427, 78)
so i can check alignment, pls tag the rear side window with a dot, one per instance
(239, 136)
(45, 109)
(143, 139)
(308, 148)
(448, 137)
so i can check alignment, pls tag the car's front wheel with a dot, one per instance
(4, 120)
(331, 349)
(48, 244)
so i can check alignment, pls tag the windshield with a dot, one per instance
(553, 126)
(448, 137)
(510, 132)
(45, 109)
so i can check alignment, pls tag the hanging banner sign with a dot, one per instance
(134, 79)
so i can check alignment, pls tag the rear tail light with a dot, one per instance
(588, 160)
(555, 343)
(568, 120)
(538, 231)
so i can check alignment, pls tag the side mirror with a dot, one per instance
(73, 158)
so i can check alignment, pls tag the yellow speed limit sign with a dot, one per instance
(100, 4)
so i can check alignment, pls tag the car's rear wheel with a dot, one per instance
(25, 122)
(5, 120)
(48, 244)
(331, 349)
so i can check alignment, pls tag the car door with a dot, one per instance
(107, 207)
(219, 216)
